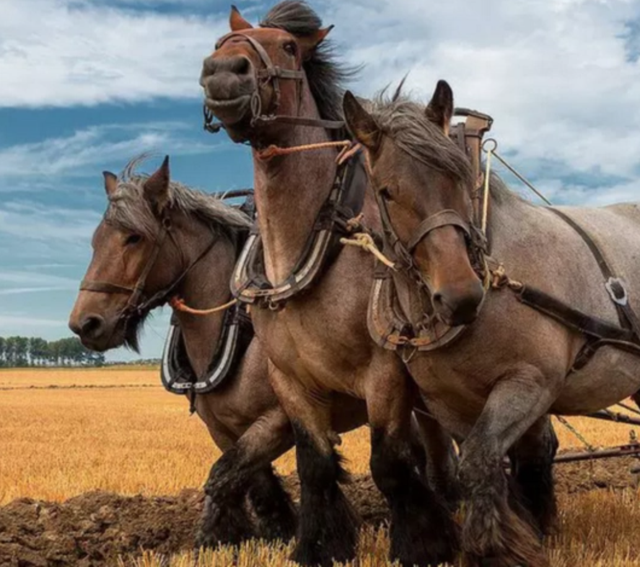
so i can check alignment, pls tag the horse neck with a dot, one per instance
(289, 191)
(205, 286)
(509, 218)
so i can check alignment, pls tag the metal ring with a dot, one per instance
(490, 141)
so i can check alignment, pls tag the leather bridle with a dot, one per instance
(273, 74)
(138, 304)
(475, 240)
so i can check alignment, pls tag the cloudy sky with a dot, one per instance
(87, 84)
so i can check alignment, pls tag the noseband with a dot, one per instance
(138, 303)
(474, 238)
(269, 73)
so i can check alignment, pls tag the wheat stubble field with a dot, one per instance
(97, 466)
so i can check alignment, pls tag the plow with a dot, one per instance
(591, 452)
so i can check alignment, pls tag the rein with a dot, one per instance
(179, 305)
(269, 74)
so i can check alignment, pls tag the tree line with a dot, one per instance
(18, 352)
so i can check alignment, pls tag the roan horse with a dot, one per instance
(552, 346)
(313, 327)
(167, 239)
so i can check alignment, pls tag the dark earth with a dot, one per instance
(98, 527)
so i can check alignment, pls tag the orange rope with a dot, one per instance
(273, 151)
(179, 305)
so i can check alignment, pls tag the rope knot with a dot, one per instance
(365, 241)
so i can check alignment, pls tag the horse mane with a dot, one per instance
(324, 73)
(406, 122)
(129, 209)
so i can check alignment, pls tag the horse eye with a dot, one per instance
(290, 47)
(384, 193)
(132, 239)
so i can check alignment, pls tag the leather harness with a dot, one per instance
(389, 325)
(249, 282)
(269, 73)
(138, 304)
(177, 374)
(237, 331)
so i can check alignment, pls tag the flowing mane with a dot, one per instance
(325, 75)
(406, 123)
(130, 210)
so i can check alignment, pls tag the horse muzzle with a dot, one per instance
(96, 333)
(229, 84)
(458, 305)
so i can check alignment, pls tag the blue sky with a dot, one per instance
(86, 85)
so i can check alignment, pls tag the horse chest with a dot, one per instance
(312, 348)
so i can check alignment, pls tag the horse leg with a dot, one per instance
(225, 519)
(532, 468)
(272, 506)
(327, 524)
(442, 460)
(422, 530)
(493, 535)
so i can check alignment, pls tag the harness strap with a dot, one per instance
(446, 217)
(271, 73)
(613, 284)
(275, 71)
(105, 287)
(300, 121)
(573, 318)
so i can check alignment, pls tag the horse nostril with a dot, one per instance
(75, 328)
(92, 326)
(437, 299)
(208, 68)
(242, 66)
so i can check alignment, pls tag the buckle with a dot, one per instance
(617, 291)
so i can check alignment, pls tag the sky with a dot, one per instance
(85, 85)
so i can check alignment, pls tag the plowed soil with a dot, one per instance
(98, 527)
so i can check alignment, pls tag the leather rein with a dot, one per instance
(273, 74)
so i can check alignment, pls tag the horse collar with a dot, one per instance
(249, 282)
(177, 374)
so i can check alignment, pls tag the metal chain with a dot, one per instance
(492, 151)
(573, 430)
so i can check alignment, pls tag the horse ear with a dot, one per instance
(237, 22)
(440, 109)
(360, 123)
(156, 188)
(110, 183)
(310, 42)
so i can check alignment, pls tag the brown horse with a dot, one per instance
(164, 238)
(547, 348)
(314, 327)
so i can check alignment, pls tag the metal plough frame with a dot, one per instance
(591, 453)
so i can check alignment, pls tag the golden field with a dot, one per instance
(60, 438)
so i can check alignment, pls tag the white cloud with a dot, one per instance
(10, 324)
(23, 290)
(32, 221)
(93, 146)
(65, 52)
(556, 76)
